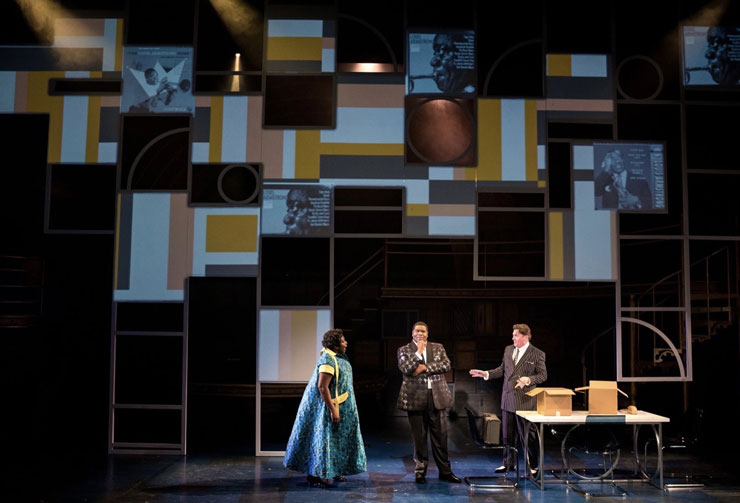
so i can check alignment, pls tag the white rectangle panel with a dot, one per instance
(295, 28)
(588, 65)
(513, 145)
(366, 125)
(234, 135)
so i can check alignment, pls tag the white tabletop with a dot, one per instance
(580, 417)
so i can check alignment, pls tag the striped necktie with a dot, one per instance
(516, 356)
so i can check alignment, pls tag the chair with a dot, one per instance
(502, 481)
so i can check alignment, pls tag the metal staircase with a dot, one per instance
(21, 291)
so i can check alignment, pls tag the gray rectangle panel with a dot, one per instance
(417, 226)
(569, 256)
(451, 192)
(576, 116)
(30, 59)
(329, 28)
(124, 241)
(583, 175)
(542, 127)
(293, 66)
(202, 124)
(246, 271)
(110, 124)
(579, 88)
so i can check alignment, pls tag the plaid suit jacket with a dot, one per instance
(531, 364)
(413, 394)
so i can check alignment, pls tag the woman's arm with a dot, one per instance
(323, 385)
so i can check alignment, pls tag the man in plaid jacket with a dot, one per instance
(424, 396)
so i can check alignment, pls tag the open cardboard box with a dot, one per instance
(553, 401)
(602, 396)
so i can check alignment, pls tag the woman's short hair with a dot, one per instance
(332, 338)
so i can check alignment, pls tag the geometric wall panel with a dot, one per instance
(154, 247)
(290, 342)
(225, 184)
(440, 131)
(154, 152)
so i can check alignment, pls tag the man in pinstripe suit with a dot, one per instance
(424, 396)
(522, 368)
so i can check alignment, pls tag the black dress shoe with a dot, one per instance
(450, 477)
(421, 478)
(319, 482)
(503, 468)
(339, 478)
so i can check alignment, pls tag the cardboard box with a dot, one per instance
(602, 396)
(491, 429)
(553, 401)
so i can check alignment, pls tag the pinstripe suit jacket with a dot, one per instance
(413, 394)
(532, 365)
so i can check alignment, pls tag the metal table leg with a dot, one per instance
(660, 453)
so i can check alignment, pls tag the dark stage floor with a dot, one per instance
(390, 477)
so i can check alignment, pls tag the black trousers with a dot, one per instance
(509, 422)
(427, 423)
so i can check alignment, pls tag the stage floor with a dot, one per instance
(221, 478)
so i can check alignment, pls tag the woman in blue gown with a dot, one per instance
(326, 442)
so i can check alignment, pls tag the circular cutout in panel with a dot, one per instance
(441, 131)
(239, 183)
(639, 78)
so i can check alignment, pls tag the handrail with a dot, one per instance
(675, 273)
(706, 259)
(367, 271)
(592, 342)
(349, 274)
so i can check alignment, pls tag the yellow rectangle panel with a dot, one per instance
(307, 153)
(558, 65)
(217, 127)
(555, 244)
(231, 233)
(39, 101)
(362, 149)
(93, 129)
(489, 140)
(285, 343)
(302, 343)
(417, 210)
(119, 45)
(530, 140)
(294, 48)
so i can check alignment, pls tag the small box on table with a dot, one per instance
(553, 401)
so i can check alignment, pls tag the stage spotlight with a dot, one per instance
(236, 79)
(366, 67)
(41, 15)
(243, 23)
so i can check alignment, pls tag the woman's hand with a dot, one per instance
(335, 414)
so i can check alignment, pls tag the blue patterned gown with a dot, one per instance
(317, 446)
